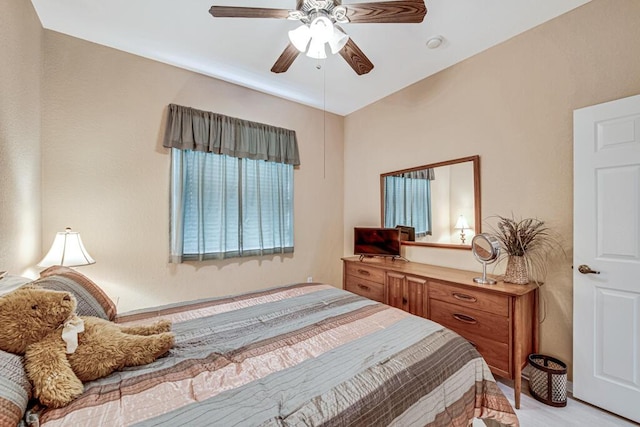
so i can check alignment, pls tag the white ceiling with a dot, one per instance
(242, 51)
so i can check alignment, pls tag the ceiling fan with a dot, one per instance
(319, 27)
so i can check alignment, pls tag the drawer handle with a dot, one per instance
(465, 319)
(463, 297)
(363, 287)
(364, 272)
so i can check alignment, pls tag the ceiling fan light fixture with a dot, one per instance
(316, 49)
(320, 17)
(337, 40)
(321, 28)
(339, 13)
(300, 37)
(296, 15)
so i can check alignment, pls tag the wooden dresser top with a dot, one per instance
(444, 274)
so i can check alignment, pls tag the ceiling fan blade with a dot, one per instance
(285, 60)
(401, 11)
(356, 58)
(247, 12)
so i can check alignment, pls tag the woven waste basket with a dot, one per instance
(548, 380)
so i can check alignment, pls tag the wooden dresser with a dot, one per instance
(499, 320)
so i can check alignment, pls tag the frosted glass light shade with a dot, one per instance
(337, 40)
(321, 29)
(300, 37)
(67, 250)
(316, 49)
(312, 38)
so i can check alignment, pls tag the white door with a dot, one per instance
(606, 305)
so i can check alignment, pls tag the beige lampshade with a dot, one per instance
(67, 250)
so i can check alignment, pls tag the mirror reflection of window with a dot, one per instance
(408, 201)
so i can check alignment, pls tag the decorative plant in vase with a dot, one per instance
(527, 244)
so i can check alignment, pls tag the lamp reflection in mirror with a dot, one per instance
(315, 35)
(461, 225)
(67, 250)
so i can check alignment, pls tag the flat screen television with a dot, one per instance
(370, 241)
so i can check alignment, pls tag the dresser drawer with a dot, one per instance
(471, 322)
(359, 269)
(496, 354)
(365, 288)
(471, 298)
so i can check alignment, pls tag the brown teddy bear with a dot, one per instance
(62, 349)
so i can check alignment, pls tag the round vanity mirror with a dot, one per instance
(486, 249)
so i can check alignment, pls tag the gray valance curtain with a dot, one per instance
(420, 174)
(191, 129)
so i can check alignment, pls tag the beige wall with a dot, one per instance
(20, 53)
(106, 174)
(512, 105)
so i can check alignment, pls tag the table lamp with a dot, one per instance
(67, 250)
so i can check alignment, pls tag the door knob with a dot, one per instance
(585, 269)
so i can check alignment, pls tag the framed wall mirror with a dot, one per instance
(440, 201)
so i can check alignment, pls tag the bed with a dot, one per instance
(300, 355)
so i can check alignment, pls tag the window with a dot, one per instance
(231, 207)
(236, 199)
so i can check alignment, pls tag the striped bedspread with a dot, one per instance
(299, 355)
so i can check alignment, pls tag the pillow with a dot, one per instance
(15, 389)
(92, 301)
(9, 282)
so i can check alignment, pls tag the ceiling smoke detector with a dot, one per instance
(435, 42)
